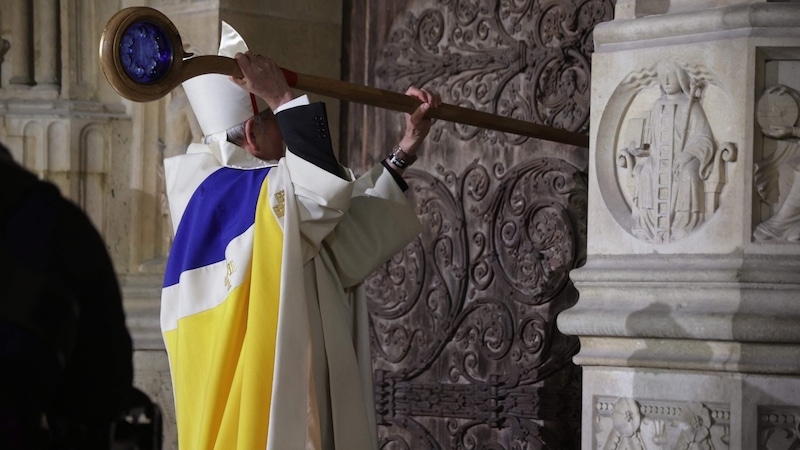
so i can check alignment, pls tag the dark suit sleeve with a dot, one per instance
(306, 134)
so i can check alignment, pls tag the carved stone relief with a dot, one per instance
(778, 427)
(776, 176)
(670, 163)
(626, 424)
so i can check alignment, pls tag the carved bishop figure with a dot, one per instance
(673, 162)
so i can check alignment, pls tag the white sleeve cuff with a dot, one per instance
(299, 101)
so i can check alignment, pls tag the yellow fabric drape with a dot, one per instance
(223, 384)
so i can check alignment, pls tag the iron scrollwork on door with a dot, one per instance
(463, 319)
(528, 59)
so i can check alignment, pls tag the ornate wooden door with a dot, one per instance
(466, 351)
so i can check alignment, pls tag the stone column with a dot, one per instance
(689, 308)
(21, 44)
(47, 28)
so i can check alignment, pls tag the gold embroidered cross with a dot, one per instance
(230, 268)
(280, 206)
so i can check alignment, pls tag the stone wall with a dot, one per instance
(688, 311)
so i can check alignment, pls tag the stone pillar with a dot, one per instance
(689, 308)
(47, 27)
(21, 44)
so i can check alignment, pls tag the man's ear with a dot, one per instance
(250, 133)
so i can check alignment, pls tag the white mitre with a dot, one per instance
(217, 102)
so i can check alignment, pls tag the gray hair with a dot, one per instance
(237, 133)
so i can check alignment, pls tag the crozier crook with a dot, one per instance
(142, 57)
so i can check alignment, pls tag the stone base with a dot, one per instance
(151, 375)
(142, 294)
(670, 409)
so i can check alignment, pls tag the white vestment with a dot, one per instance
(335, 232)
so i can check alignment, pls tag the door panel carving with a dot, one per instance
(466, 352)
(464, 340)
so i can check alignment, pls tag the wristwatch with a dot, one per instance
(400, 158)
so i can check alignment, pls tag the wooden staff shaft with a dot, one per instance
(394, 101)
(400, 102)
